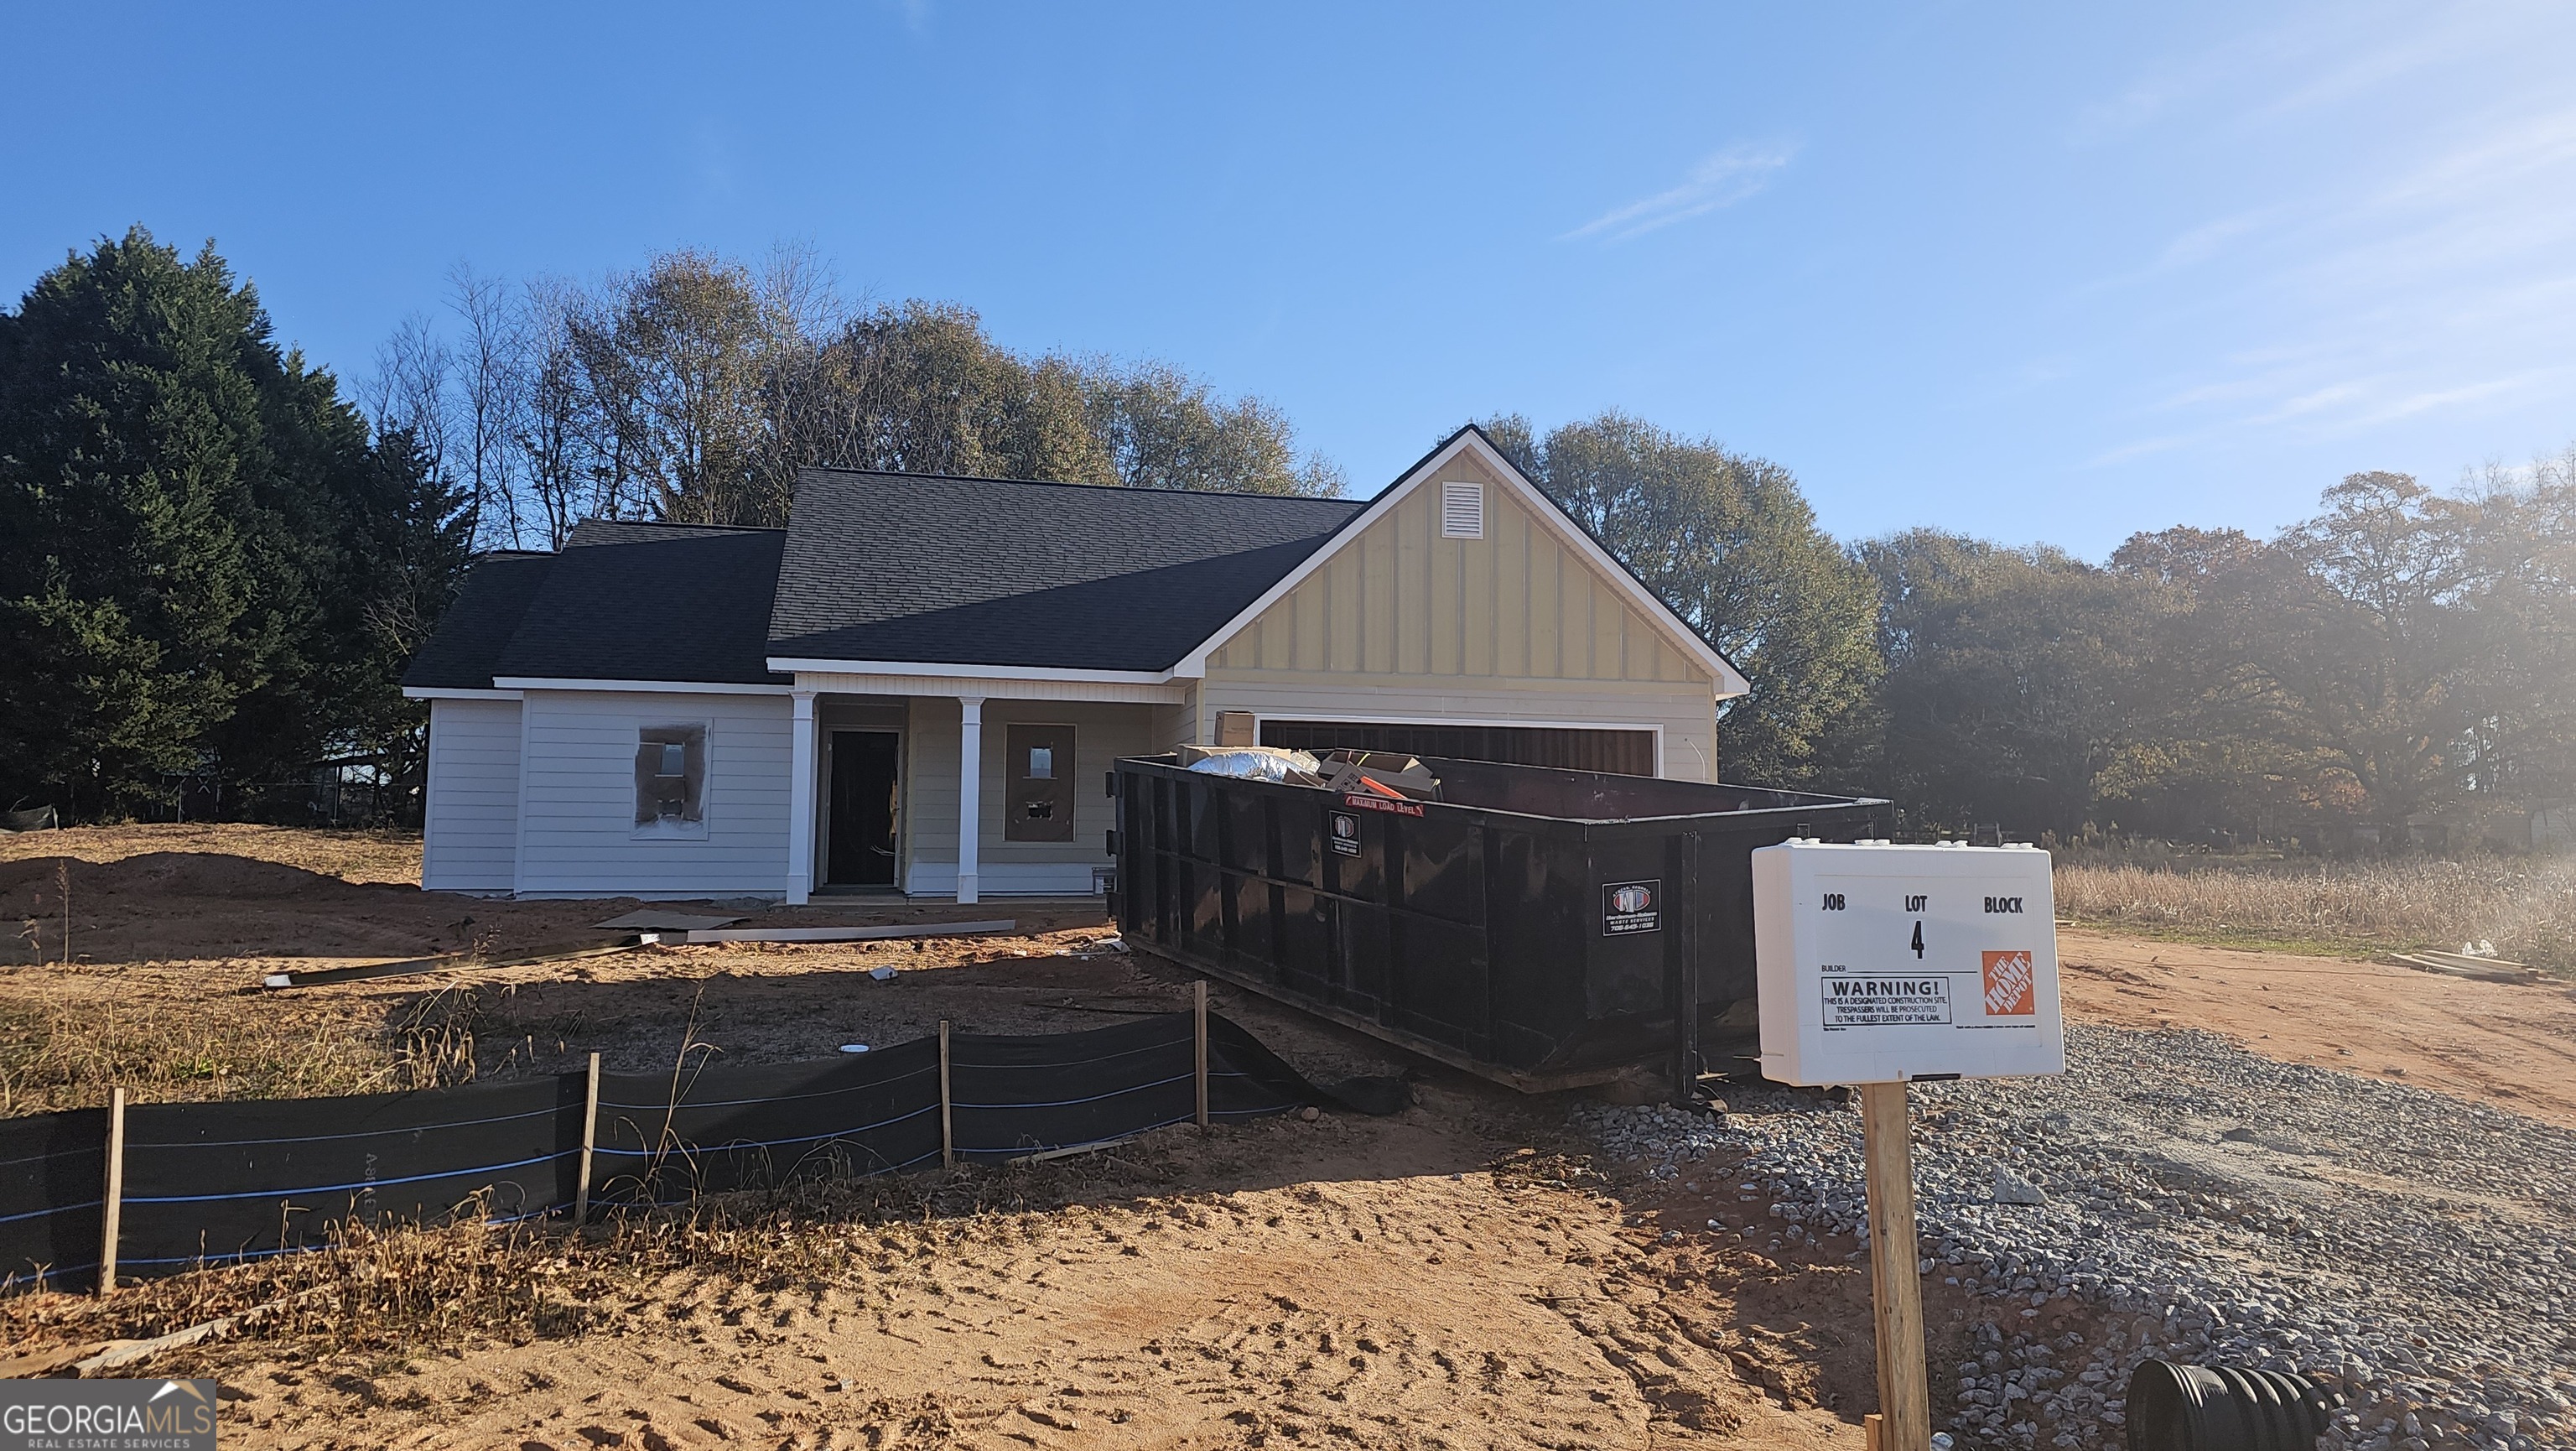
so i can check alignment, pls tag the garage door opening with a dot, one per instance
(1627, 753)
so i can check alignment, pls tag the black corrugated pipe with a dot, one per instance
(2219, 1408)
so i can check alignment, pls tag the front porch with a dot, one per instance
(985, 788)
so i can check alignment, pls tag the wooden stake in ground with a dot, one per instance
(112, 1206)
(589, 1142)
(1896, 1274)
(947, 1133)
(1198, 1012)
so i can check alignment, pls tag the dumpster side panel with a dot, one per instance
(1535, 885)
(1538, 949)
(1626, 970)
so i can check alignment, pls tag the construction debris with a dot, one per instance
(831, 934)
(2455, 964)
(456, 961)
(651, 920)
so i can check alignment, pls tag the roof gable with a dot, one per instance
(1501, 597)
(1467, 453)
(934, 570)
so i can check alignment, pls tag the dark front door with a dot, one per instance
(863, 809)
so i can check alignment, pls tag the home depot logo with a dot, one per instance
(2011, 985)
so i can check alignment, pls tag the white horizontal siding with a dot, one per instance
(578, 796)
(470, 816)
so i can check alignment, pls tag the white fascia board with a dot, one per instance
(516, 683)
(918, 668)
(1019, 687)
(1730, 681)
(456, 692)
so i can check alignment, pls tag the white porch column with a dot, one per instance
(800, 802)
(970, 782)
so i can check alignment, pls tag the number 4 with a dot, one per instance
(1918, 939)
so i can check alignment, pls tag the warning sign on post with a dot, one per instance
(1879, 963)
(1870, 1002)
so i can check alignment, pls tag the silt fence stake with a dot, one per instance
(113, 1205)
(1198, 1012)
(947, 1129)
(589, 1143)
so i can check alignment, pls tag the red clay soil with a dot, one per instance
(2507, 1044)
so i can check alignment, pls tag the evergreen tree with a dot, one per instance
(189, 518)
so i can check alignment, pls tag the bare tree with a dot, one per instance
(488, 381)
(409, 389)
(696, 388)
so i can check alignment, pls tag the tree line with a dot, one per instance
(695, 387)
(214, 562)
(2402, 654)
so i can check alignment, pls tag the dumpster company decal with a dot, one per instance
(1628, 907)
(1346, 832)
(1886, 1002)
(1383, 803)
(108, 1415)
(2011, 986)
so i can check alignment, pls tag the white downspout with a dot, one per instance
(970, 782)
(800, 802)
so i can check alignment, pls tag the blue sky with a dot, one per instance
(2038, 272)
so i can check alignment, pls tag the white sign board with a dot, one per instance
(1881, 963)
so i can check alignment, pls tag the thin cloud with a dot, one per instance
(1721, 179)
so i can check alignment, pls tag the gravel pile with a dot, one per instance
(2202, 1205)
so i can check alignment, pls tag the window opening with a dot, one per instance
(1040, 798)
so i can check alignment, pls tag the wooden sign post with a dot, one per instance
(1895, 1267)
(1881, 964)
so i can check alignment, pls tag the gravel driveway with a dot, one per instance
(2198, 1203)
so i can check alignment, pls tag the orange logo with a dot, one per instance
(2010, 985)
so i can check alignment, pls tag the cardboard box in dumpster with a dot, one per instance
(1880, 963)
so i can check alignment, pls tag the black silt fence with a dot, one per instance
(218, 1183)
(53, 1192)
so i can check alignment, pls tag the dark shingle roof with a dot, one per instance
(907, 567)
(478, 624)
(651, 602)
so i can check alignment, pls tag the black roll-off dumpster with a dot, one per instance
(1544, 928)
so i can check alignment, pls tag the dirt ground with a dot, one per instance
(2509, 1044)
(1455, 1275)
(1376, 1283)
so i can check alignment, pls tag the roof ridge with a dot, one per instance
(1075, 484)
(671, 524)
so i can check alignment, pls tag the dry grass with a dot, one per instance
(67, 1052)
(390, 1294)
(2526, 907)
(353, 854)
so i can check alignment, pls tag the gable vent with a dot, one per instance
(1462, 511)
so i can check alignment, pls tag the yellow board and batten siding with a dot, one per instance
(1402, 624)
